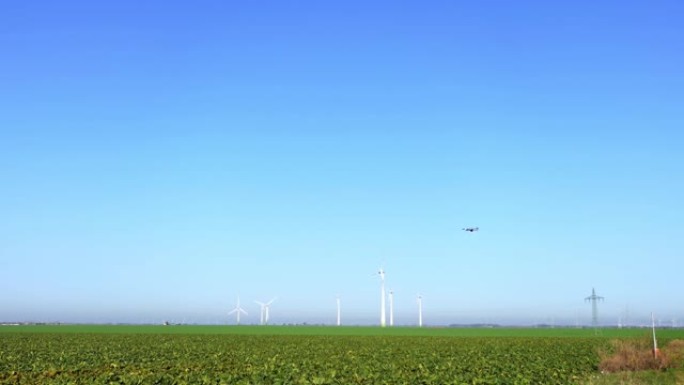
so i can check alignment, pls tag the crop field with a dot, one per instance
(299, 355)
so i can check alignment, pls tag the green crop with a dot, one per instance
(144, 358)
(345, 331)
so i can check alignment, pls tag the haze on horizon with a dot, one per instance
(159, 160)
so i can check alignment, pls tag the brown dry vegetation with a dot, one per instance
(675, 350)
(635, 355)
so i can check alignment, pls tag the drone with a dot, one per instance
(471, 229)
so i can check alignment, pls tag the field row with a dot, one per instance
(45, 358)
(346, 331)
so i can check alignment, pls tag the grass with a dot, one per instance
(631, 362)
(670, 377)
(665, 334)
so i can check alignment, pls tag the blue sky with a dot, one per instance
(160, 159)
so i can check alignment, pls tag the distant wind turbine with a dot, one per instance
(237, 311)
(265, 307)
(339, 318)
(391, 307)
(261, 314)
(382, 297)
(420, 311)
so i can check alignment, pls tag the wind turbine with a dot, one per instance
(391, 306)
(237, 311)
(382, 297)
(420, 311)
(265, 310)
(261, 314)
(339, 318)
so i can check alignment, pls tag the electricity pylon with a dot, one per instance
(594, 308)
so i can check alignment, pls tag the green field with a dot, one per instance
(102, 354)
(345, 331)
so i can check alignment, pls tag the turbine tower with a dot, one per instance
(265, 311)
(339, 318)
(268, 308)
(391, 307)
(594, 308)
(382, 297)
(237, 311)
(420, 311)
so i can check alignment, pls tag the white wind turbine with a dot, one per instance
(391, 307)
(261, 314)
(382, 297)
(265, 311)
(237, 311)
(339, 318)
(420, 311)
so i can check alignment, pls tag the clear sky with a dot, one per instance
(159, 159)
